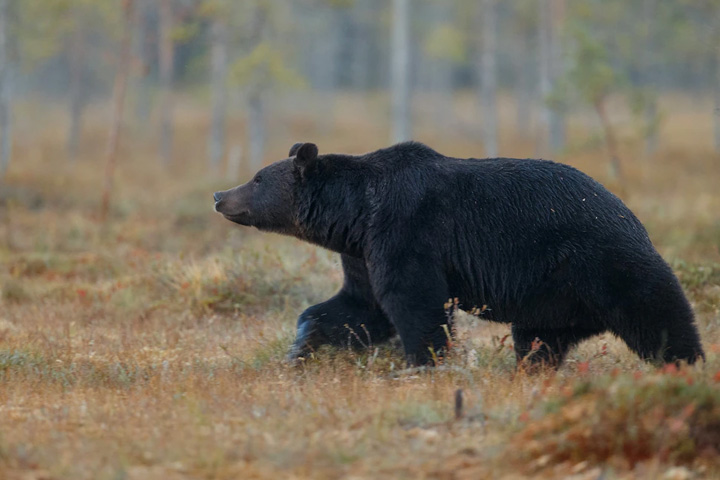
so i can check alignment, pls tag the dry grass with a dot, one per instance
(151, 347)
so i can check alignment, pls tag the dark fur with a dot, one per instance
(543, 245)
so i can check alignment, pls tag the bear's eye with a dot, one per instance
(257, 179)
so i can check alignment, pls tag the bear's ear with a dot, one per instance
(294, 149)
(305, 156)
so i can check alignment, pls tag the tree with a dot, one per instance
(218, 86)
(551, 15)
(524, 26)
(488, 73)
(263, 67)
(593, 79)
(716, 88)
(166, 53)
(648, 96)
(119, 90)
(5, 146)
(77, 97)
(143, 46)
(76, 31)
(401, 87)
(445, 48)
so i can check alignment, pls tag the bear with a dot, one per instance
(533, 243)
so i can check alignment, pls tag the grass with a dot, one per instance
(152, 346)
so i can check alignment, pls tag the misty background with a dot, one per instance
(519, 78)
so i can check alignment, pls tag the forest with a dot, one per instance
(143, 336)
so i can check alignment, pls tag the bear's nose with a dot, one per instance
(217, 196)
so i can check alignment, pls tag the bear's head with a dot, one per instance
(267, 201)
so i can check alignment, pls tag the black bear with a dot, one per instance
(540, 244)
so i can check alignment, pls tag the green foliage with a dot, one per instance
(42, 27)
(263, 67)
(591, 76)
(446, 42)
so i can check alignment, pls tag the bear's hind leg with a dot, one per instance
(548, 347)
(659, 338)
(654, 319)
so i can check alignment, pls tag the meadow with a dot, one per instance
(150, 345)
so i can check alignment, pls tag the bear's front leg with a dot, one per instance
(352, 318)
(412, 291)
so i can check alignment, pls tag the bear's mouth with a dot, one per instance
(242, 218)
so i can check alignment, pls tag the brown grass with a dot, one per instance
(151, 346)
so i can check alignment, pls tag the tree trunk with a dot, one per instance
(256, 130)
(616, 170)
(551, 12)
(167, 61)
(142, 48)
(526, 88)
(544, 72)
(436, 71)
(401, 71)
(232, 172)
(5, 114)
(77, 99)
(362, 55)
(716, 125)
(557, 116)
(488, 71)
(324, 58)
(651, 124)
(650, 113)
(119, 90)
(218, 74)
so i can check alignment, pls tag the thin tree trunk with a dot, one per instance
(650, 113)
(616, 170)
(526, 89)
(77, 100)
(551, 13)
(325, 65)
(557, 116)
(218, 74)
(544, 72)
(167, 61)
(5, 114)
(256, 130)
(651, 124)
(716, 126)
(488, 71)
(362, 58)
(232, 171)
(401, 71)
(439, 70)
(119, 90)
(141, 47)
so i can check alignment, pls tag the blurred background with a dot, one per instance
(128, 107)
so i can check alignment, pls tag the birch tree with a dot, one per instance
(488, 76)
(524, 24)
(400, 68)
(716, 87)
(119, 90)
(142, 48)
(5, 146)
(77, 96)
(550, 15)
(218, 85)
(166, 54)
(261, 69)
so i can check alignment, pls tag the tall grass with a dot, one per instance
(152, 346)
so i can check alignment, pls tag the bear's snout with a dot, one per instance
(217, 196)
